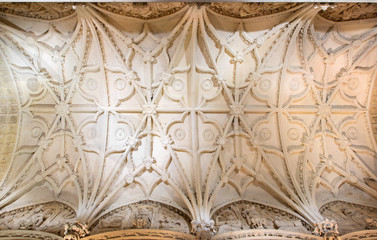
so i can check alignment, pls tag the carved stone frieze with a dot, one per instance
(248, 10)
(48, 217)
(349, 216)
(149, 10)
(143, 10)
(350, 11)
(245, 215)
(46, 11)
(143, 215)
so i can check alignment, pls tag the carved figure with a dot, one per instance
(49, 217)
(141, 221)
(371, 223)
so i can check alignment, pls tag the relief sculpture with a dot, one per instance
(247, 215)
(143, 215)
(49, 217)
(349, 216)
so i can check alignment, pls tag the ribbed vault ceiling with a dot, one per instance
(192, 105)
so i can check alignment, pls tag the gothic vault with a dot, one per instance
(188, 121)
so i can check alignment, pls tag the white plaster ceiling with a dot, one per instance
(194, 109)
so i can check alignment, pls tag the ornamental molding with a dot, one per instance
(152, 234)
(367, 234)
(265, 234)
(27, 235)
(163, 234)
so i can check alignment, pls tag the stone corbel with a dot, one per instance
(75, 231)
(204, 230)
(328, 229)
